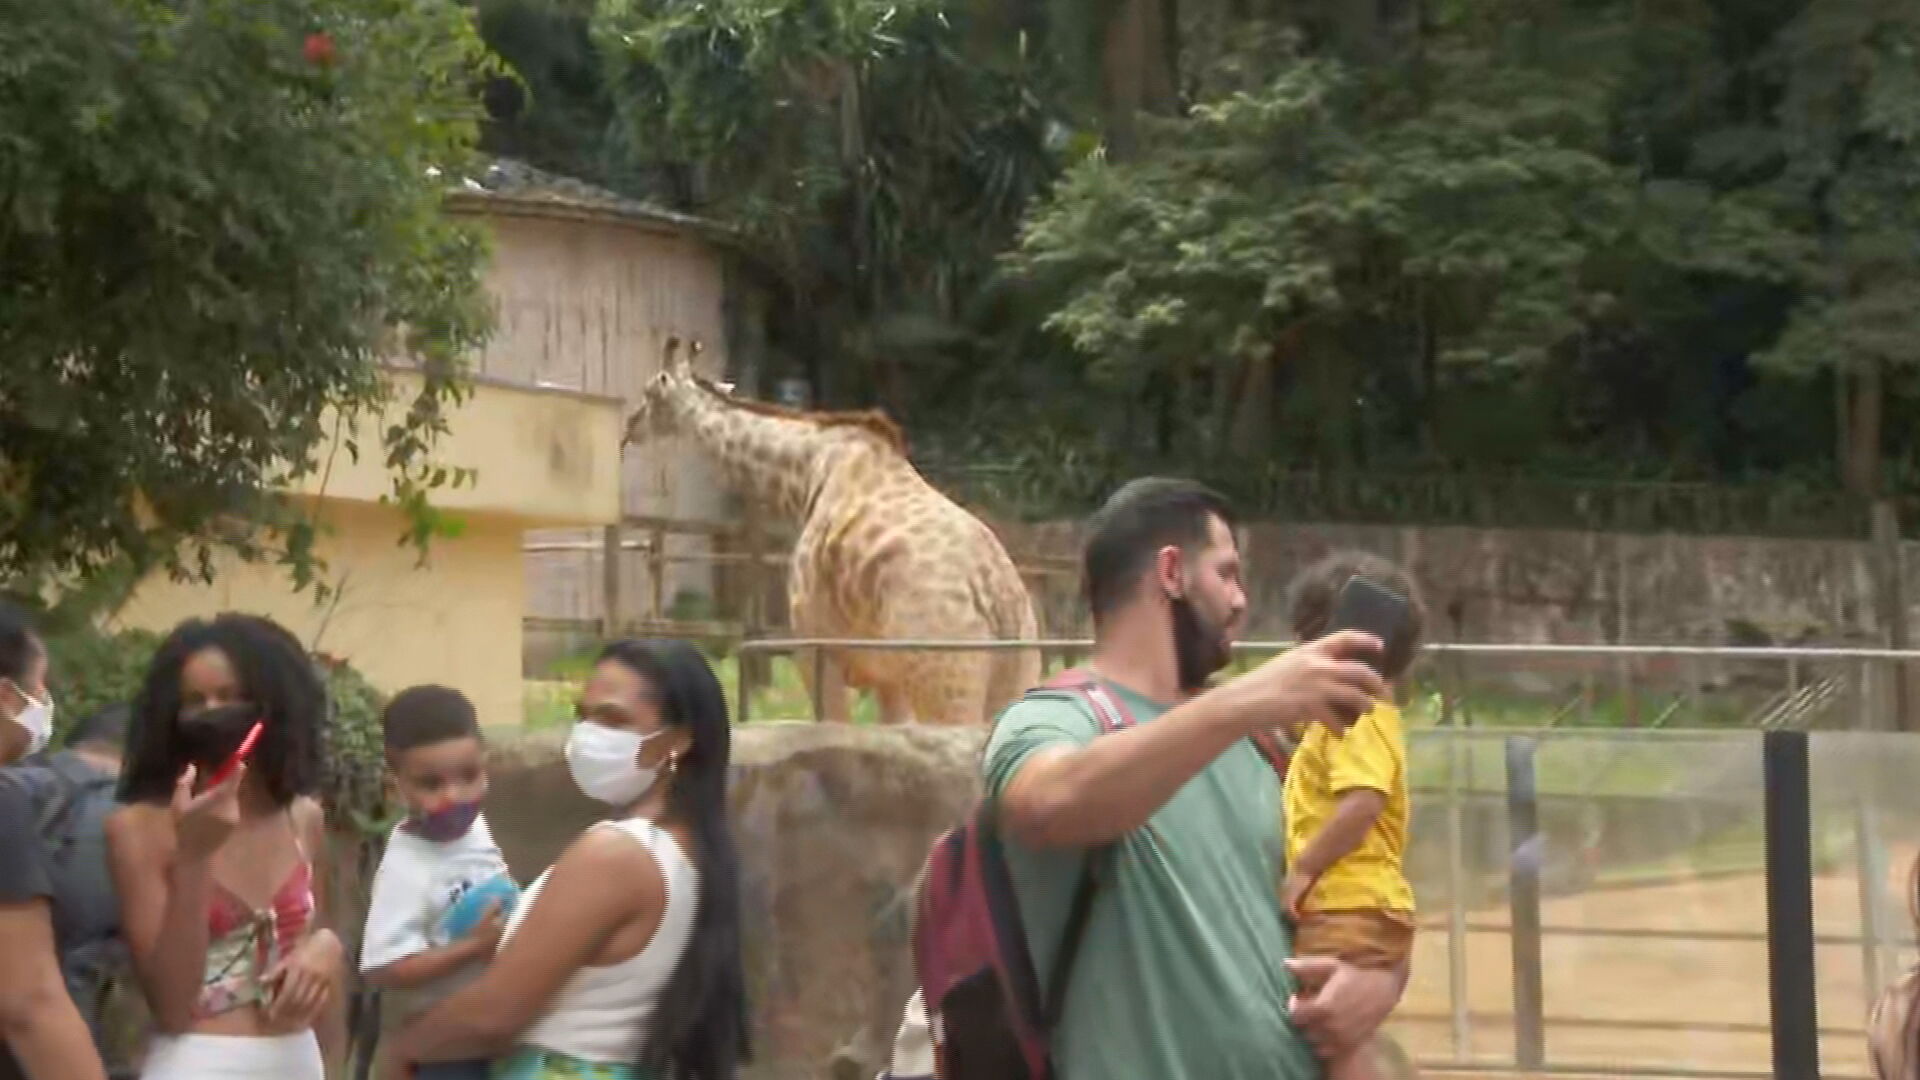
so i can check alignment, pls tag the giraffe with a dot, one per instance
(880, 552)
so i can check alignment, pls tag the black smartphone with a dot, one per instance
(1371, 609)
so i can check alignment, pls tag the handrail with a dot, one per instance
(1721, 652)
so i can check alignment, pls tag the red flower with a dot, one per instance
(319, 49)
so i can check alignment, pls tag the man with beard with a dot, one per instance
(1183, 973)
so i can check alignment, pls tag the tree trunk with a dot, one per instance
(1136, 71)
(1862, 430)
(1429, 378)
(1252, 428)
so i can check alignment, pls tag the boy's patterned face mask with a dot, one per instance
(450, 822)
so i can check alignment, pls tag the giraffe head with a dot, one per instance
(658, 414)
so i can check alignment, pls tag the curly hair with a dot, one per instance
(275, 674)
(1314, 593)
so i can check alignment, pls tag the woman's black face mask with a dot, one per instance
(208, 737)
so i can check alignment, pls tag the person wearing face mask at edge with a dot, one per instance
(26, 710)
(43, 1034)
(621, 962)
(219, 882)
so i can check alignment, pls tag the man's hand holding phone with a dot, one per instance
(1330, 680)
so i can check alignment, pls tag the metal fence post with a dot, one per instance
(743, 687)
(1523, 900)
(819, 684)
(1457, 904)
(1871, 864)
(1790, 942)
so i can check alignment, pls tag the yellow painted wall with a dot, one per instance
(549, 457)
(455, 622)
(583, 306)
(543, 459)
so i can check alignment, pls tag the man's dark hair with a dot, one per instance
(104, 727)
(19, 645)
(1135, 523)
(423, 715)
(1314, 591)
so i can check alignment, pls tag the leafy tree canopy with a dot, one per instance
(1582, 241)
(217, 219)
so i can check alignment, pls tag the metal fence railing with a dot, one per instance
(1618, 901)
(1508, 685)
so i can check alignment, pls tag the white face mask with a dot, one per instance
(37, 718)
(605, 762)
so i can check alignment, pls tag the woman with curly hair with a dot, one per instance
(218, 876)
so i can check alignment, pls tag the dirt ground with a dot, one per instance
(1625, 1002)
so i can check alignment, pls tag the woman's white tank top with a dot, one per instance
(605, 1013)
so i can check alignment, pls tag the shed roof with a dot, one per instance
(511, 186)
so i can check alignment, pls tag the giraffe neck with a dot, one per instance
(780, 462)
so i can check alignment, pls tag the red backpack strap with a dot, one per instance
(1113, 716)
(1107, 709)
(1275, 750)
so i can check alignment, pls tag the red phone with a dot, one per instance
(239, 755)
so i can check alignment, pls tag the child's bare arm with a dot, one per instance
(429, 965)
(1358, 810)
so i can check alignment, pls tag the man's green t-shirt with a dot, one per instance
(1181, 973)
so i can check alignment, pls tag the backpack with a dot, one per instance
(71, 804)
(986, 1015)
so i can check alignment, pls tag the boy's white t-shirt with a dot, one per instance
(418, 880)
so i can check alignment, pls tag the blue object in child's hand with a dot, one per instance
(465, 913)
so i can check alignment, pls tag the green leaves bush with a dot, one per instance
(219, 219)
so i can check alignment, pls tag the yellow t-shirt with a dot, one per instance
(1372, 754)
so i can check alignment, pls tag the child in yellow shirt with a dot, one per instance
(1346, 803)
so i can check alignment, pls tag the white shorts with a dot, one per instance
(234, 1057)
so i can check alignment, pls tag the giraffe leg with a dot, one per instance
(831, 694)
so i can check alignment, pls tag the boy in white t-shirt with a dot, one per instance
(443, 891)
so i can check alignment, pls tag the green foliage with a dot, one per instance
(876, 154)
(1422, 259)
(355, 789)
(1850, 129)
(92, 669)
(553, 110)
(1282, 221)
(217, 219)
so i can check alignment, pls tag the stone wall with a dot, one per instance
(1483, 584)
(1542, 586)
